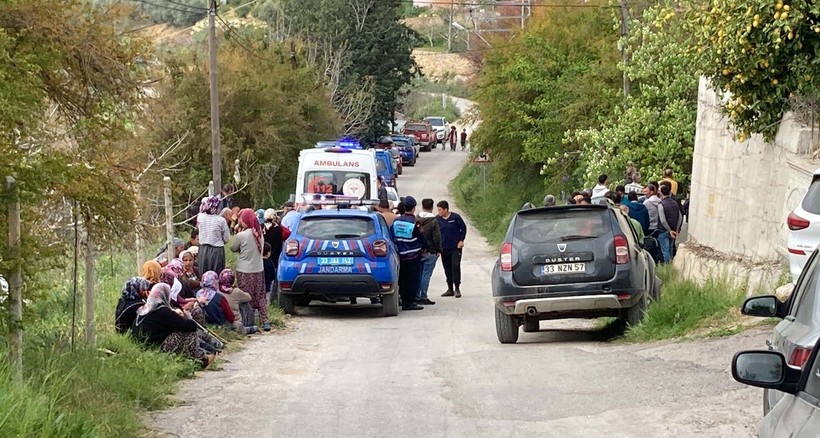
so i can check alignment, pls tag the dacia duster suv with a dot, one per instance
(570, 262)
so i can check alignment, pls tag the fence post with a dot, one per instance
(169, 220)
(90, 283)
(140, 246)
(15, 283)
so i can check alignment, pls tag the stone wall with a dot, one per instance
(741, 195)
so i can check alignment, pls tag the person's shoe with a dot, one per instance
(251, 330)
(427, 302)
(449, 293)
(458, 293)
(412, 307)
(266, 326)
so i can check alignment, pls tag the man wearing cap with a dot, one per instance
(290, 215)
(412, 245)
(549, 201)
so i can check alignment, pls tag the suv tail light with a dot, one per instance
(621, 250)
(799, 357)
(291, 247)
(506, 257)
(380, 248)
(796, 222)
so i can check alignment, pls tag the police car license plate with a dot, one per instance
(564, 268)
(335, 261)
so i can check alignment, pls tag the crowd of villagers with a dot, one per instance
(173, 304)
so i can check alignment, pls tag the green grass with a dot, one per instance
(686, 307)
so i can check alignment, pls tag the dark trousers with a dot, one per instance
(451, 260)
(409, 280)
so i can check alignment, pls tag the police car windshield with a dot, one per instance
(329, 228)
(337, 182)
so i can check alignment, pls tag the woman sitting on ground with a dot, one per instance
(240, 302)
(133, 297)
(158, 324)
(216, 307)
(151, 271)
(190, 274)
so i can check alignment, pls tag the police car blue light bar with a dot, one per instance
(350, 143)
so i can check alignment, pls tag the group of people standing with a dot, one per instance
(421, 239)
(172, 301)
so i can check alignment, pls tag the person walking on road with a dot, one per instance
(452, 137)
(463, 139)
(412, 247)
(432, 233)
(453, 233)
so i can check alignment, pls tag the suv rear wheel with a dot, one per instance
(287, 303)
(532, 325)
(390, 304)
(506, 327)
(635, 314)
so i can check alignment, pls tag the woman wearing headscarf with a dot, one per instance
(213, 235)
(151, 271)
(190, 274)
(250, 271)
(133, 296)
(158, 324)
(217, 309)
(239, 301)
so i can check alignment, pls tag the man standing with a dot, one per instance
(651, 203)
(432, 234)
(384, 209)
(412, 247)
(463, 139)
(637, 211)
(600, 189)
(635, 185)
(382, 189)
(289, 215)
(452, 137)
(549, 201)
(226, 197)
(667, 176)
(670, 220)
(453, 233)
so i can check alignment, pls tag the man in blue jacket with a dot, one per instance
(453, 233)
(412, 246)
(637, 211)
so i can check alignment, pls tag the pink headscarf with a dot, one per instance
(251, 221)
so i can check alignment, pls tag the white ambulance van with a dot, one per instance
(337, 171)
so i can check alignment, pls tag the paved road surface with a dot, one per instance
(344, 371)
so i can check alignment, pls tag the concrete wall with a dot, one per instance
(741, 195)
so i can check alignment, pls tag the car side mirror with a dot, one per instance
(767, 306)
(765, 369)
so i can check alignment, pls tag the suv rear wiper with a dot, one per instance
(576, 237)
(346, 236)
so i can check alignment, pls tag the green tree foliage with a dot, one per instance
(559, 75)
(655, 127)
(359, 45)
(761, 52)
(269, 112)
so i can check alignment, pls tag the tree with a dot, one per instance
(762, 53)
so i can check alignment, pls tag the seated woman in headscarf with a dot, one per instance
(151, 271)
(190, 273)
(133, 297)
(240, 302)
(182, 285)
(158, 324)
(216, 307)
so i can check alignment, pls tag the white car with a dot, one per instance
(804, 228)
(439, 125)
(392, 197)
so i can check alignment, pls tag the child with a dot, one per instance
(240, 302)
(270, 272)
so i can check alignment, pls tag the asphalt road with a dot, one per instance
(343, 370)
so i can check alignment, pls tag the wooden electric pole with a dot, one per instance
(15, 282)
(216, 144)
(450, 27)
(625, 44)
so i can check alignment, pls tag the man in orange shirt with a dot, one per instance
(667, 176)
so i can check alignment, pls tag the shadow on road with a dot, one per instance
(612, 331)
(341, 310)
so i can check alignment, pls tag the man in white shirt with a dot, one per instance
(600, 189)
(290, 216)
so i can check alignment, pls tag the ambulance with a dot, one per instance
(337, 171)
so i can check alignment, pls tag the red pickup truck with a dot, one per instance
(424, 132)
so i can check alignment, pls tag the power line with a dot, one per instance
(188, 11)
(237, 37)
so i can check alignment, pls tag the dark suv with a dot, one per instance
(570, 262)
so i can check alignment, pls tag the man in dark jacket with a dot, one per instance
(432, 233)
(453, 233)
(637, 211)
(412, 247)
(670, 219)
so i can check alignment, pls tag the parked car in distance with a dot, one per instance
(570, 261)
(392, 197)
(338, 254)
(385, 168)
(804, 227)
(799, 328)
(397, 161)
(440, 125)
(424, 132)
(405, 146)
(797, 414)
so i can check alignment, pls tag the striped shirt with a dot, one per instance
(213, 230)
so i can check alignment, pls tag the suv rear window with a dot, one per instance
(811, 202)
(561, 226)
(328, 228)
(415, 128)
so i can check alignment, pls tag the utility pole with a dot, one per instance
(15, 281)
(523, 6)
(625, 44)
(450, 27)
(216, 144)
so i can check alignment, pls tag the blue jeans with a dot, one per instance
(666, 242)
(428, 265)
